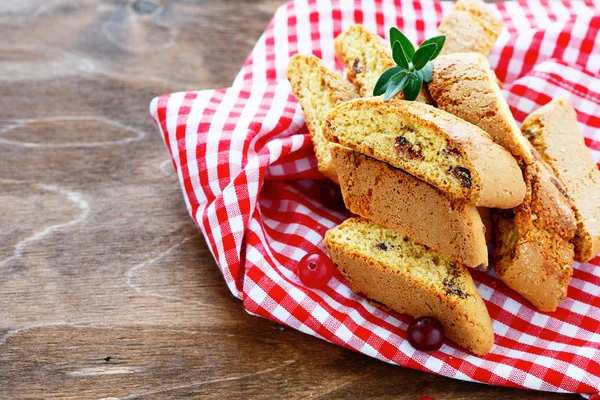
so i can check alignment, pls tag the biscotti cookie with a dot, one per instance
(392, 269)
(470, 27)
(464, 85)
(394, 199)
(456, 157)
(318, 90)
(486, 218)
(533, 254)
(554, 133)
(367, 56)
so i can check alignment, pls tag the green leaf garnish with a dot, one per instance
(397, 36)
(412, 89)
(439, 41)
(426, 72)
(395, 87)
(423, 55)
(399, 76)
(413, 67)
(400, 56)
(384, 81)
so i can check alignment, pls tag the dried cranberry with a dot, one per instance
(315, 270)
(425, 334)
(464, 176)
(331, 196)
(408, 148)
(357, 68)
(381, 246)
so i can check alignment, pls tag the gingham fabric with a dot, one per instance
(249, 178)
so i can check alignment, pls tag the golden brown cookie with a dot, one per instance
(392, 269)
(554, 132)
(318, 90)
(454, 156)
(394, 199)
(486, 218)
(533, 254)
(463, 84)
(470, 27)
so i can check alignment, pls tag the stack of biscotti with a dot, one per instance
(417, 192)
(426, 282)
(422, 172)
(412, 276)
(416, 175)
(424, 179)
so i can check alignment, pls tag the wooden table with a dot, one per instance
(107, 288)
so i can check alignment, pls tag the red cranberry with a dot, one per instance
(331, 196)
(315, 270)
(425, 334)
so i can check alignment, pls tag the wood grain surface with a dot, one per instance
(107, 289)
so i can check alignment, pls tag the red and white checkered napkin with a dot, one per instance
(246, 166)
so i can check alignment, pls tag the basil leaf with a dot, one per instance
(407, 46)
(423, 55)
(412, 89)
(439, 41)
(384, 80)
(399, 55)
(426, 72)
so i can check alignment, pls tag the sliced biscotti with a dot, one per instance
(554, 132)
(464, 85)
(367, 56)
(392, 269)
(533, 254)
(470, 27)
(394, 199)
(486, 218)
(456, 157)
(318, 90)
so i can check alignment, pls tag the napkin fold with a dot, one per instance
(249, 178)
